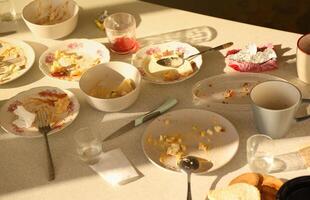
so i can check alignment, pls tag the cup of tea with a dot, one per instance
(274, 105)
(303, 58)
(121, 32)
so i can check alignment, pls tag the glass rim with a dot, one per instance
(119, 13)
(259, 135)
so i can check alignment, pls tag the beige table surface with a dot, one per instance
(23, 173)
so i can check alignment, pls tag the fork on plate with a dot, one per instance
(43, 123)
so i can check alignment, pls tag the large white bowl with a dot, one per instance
(110, 75)
(32, 10)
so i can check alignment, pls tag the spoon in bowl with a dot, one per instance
(175, 61)
(190, 164)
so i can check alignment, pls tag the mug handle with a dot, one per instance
(299, 119)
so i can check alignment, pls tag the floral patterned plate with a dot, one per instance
(61, 105)
(21, 52)
(143, 57)
(71, 58)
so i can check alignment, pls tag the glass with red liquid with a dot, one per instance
(121, 32)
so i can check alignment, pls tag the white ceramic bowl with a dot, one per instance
(36, 8)
(110, 75)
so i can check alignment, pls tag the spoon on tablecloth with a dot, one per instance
(175, 61)
(192, 164)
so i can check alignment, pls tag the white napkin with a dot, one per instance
(114, 167)
(25, 119)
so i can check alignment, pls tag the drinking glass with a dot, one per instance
(7, 17)
(88, 145)
(259, 153)
(121, 32)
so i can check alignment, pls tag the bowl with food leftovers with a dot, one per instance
(146, 60)
(112, 86)
(68, 60)
(51, 18)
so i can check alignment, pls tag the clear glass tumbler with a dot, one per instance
(88, 145)
(8, 21)
(121, 32)
(260, 153)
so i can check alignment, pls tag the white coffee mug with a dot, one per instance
(303, 58)
(274, 105)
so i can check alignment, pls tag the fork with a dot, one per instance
(44, 128)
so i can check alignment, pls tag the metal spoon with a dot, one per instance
(189, 164)
(178, 61)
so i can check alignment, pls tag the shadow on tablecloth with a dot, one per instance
(193, 36)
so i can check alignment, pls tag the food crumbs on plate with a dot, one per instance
(246, 88)
(162, 138)
(218, 129)
(202, 133)
(228, 93)
(172, 147)
(167, 121)
(194, 128)
(150, 140)
(209, 132)
(202, 146)
(224, 102)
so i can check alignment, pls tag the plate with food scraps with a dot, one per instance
(146, 61)
(16, 58)
(201, 133)
(18, 114)
(71, 58)
(231, 90)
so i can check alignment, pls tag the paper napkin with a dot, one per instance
(114, 168)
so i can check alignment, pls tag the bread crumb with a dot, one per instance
(228, 93)
(209, 132)
(218, 129)
(203, 147)
(202, 133)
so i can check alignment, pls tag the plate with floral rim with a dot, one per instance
(69, 59)
(62, 107)
(147, 55)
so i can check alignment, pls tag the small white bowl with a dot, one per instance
(110, 74)
(36, 8)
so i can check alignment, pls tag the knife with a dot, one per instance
(169, 103)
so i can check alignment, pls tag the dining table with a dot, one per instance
(23, 165)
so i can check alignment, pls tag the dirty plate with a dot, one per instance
(230, 90)
(144, 56)
(62, 105)
(70, 59)
(189, 127)
(22, 54)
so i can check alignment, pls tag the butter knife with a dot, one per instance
(169, 103)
